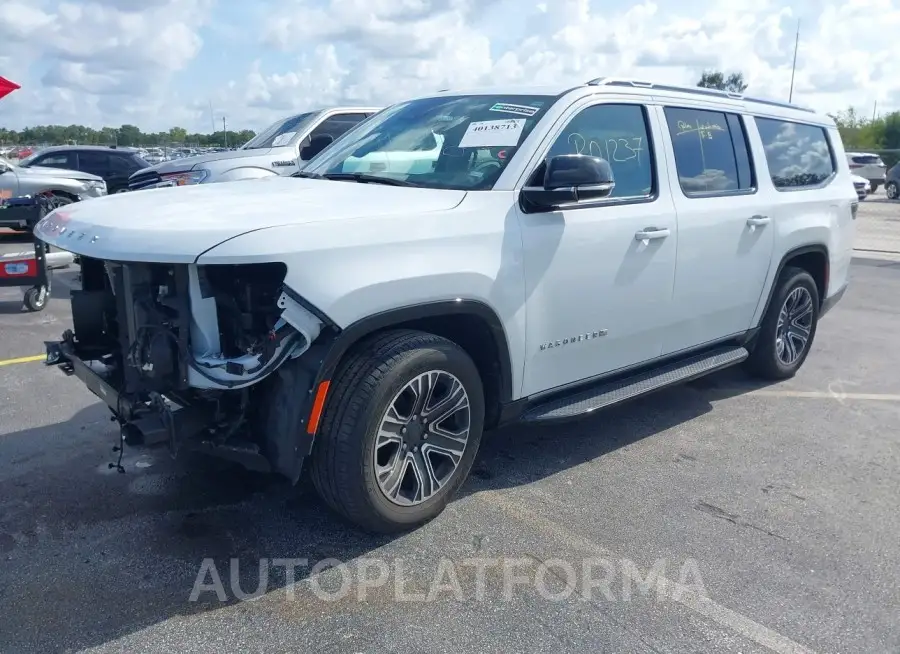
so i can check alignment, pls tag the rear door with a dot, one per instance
(725, 232)
(121, 166)
(94, 162)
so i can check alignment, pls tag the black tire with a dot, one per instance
(366, 382)
(892, 191)
(764, 361)
(874, 186)
(36, 298)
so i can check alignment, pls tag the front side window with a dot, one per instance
(455, 142)
(60, 160)
(711, 153)
(798, 155)
(280, 133)
(617, 133)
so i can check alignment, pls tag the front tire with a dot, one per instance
(399, 432)
(788, 328)
(892, 191)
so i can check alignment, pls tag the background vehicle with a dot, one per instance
(63, 186)
(892, 182)
(862, 186)
(280, 149)
(867, 165)
(114, 165)
(367, 324)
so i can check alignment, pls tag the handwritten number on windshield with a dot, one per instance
(616, 150)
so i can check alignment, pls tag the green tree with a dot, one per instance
(716, 79)
(177, 135)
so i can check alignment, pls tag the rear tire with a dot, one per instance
(377, 459)
(874, 186)
(892, 191)
(787, 330)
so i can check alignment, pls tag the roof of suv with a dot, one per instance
(652, 89)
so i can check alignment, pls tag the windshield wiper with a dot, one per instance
(363, 178)
(301, 173)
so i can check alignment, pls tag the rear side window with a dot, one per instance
(799, 155)
(711, 153)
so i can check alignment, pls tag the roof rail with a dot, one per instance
(696, 90)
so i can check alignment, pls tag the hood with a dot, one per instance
(45, 171)
(189, 163)
(177, 225)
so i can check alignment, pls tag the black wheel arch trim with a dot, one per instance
(343, 339)
(817, 248)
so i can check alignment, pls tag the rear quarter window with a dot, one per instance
(798, 155)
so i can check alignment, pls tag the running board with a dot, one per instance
(610, 393)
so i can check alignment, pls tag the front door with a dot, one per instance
(725, 227)
(599, 297)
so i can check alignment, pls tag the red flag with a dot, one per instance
(7, 87)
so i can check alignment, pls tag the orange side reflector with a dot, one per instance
(315, 415)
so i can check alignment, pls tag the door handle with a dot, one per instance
(651, 233)
(753, 221)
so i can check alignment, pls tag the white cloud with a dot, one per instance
(118, 60)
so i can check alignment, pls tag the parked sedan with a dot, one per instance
(114, 165)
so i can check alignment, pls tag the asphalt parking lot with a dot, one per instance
(721, 516)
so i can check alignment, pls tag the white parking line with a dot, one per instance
(826, 395)
(684, 595)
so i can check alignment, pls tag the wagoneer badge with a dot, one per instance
(575, 339)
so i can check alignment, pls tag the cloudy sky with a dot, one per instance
(161, 63)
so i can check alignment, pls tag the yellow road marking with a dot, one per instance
(32, 359)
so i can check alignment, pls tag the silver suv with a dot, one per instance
(64, 186)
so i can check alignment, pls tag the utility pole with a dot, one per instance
(874, 110)
(224, 132)
(212, 118)
(794, 66)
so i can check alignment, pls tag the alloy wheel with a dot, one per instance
(794, 326)
(421, 438)
(891, 191)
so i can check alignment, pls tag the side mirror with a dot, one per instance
(571, 178)
(316, 145)
(4, 167)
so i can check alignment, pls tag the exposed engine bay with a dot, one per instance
(182, 347)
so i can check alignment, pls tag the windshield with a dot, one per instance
(279, 133)
(455, 142)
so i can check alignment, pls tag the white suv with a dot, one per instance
(868, 166)
(562, 250)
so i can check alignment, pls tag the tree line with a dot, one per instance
(858, 132)
(126, 135)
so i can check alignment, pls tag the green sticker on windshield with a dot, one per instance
(518, 109)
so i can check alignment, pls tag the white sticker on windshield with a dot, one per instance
(283, 139)
(493, 133)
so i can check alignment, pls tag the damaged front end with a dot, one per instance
(182, 354)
